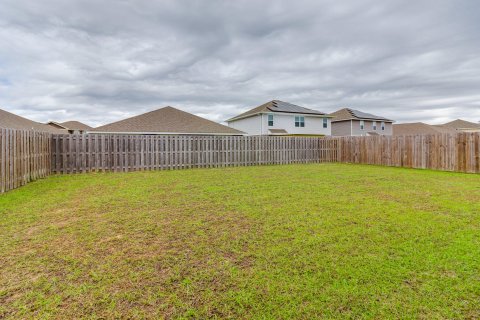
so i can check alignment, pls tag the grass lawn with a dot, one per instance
(273, 242)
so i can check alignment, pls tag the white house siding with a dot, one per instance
(313, 125)
(258, 124)
(251, 125)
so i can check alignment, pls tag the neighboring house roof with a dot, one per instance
(462, 124)
(277, 106)
(75, 125)
(70, 125)
(419, 128)
(351, 114)
(56, 125)
(167, 120)
(443, 129)
(12, 121)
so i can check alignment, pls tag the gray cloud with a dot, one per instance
(99, 61)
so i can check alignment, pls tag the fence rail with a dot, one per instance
(102, 152)
(446, 152)
(24, 157)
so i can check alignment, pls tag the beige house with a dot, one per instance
(350, 122)
(167, 120)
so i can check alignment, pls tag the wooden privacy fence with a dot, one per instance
(460, 152)
(24, 156)
(116, 152)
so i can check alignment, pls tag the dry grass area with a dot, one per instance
(275, 242)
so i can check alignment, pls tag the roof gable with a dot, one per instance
(167, 120)
(462, 124)
(75, 125)
(352, 114)
(56, 125)
(12, 121)
(419, 128)
(277, 106)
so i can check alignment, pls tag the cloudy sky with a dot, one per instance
(100, 61)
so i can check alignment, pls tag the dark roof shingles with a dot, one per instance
(349, 114)
(277, 106)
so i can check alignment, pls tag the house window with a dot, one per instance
(362, 125)
(325, 122)
(270, 120)
(374, 125)
(383, 126)
(299, 121)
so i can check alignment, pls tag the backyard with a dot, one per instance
(266, 242)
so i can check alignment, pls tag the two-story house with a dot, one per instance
(282, 118)
(349, 122)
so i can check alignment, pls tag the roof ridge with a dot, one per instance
(167, 119)
(277, 106)
(347, 113)
(11, 120)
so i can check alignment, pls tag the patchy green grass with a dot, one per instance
(276, 242)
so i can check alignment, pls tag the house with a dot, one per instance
(73, 127)
(463, 126)
(167, 120)
(12, 121)
(350, 122)
(281, 118)
(420, 128)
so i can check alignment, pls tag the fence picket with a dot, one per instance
(26, 155)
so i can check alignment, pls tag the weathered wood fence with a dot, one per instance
(460, 152)
(100, 152)
(24, 156)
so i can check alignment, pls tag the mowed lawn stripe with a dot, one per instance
(278, 242)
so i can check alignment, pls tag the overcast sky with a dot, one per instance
(100, 61)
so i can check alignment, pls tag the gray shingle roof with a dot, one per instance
(462, 124)
(277, 106)
(419, 128)
(364, 115)
(280, 106)
(12, 121)
(75, 125)
(167, 120)
(348, 114)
